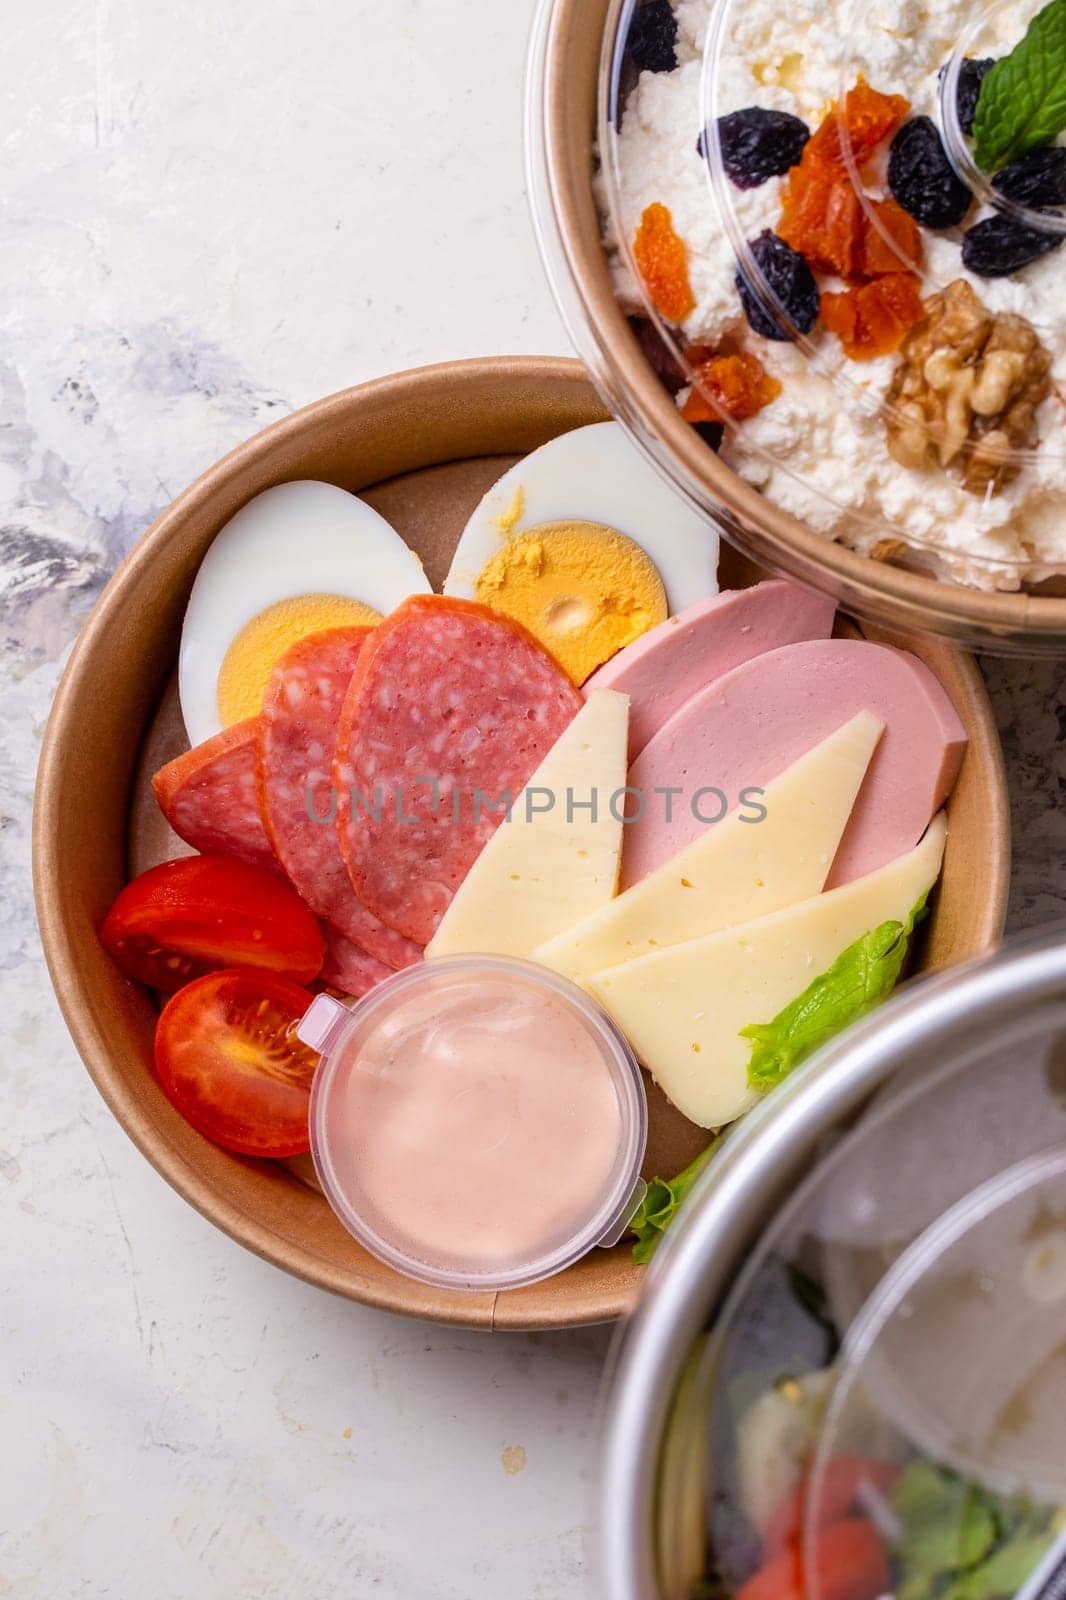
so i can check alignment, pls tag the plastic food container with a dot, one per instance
(784, 507)
(851, 1343)
(477, 1123)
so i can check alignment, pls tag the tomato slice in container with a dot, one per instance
(844, 1562)
(186, 917)
(840, 1488)
(227, 1056)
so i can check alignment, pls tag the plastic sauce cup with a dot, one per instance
(477, 1122)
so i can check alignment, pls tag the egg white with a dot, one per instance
(594, 474)
(298, 538)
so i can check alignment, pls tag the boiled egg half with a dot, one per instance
(297, 559)
(587, 546)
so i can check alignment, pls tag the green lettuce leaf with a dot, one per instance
(953, 1529)
(960, 1542)
(1004, 1573)
(858, 979)
(659, 1206)
(1022, 103)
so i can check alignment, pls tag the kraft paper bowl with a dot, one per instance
(567, 60)
(422, 447)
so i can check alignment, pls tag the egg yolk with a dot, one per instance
(249, 661)
(507, 519)
(582, 589)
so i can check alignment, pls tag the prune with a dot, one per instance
(788, 279)
(999, 246)
(711, 433)
(757, 144)
(972, 75)
(922, 178)
(652, 37)
(1038, 179)
(658, 356)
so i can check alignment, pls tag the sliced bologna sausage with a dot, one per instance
(747, 727)
(669, 664)
(451, 706)
(296, 745)
(209, 796)
(347, 967)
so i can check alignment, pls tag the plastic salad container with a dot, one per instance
(847, 1374)
(477, 1122)
(841, 402)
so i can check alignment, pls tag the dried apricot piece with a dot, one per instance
(803, 214)
(834, 227)
(867, 119)
(892, 240)
(875, 318)
(739, 386)
(662, 261)
(853, 236)
(823, 220)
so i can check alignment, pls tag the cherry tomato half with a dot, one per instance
(845, 1562)
(186, 917)
(839, 1489)
(227, 1056)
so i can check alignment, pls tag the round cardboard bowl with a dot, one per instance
(562, 122)
(422, 446)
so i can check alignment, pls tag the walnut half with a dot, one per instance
(965, 394)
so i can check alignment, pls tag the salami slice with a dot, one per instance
(451, 707)
(294, 770)
(348, 968)
(209, 796)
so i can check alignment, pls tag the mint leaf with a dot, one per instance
(860, 977)
(659, 1206)
(1022, 103)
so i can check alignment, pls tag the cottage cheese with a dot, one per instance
(819, 451)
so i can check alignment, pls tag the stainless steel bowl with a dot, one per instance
(654, 1539)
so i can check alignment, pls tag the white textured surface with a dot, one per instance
(210, 214)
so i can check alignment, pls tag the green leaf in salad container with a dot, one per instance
(959, 1533)
(921, 1491)
(860, 977)
(959, 1542)
(659, 1206)
(1022, 103)
(1006, 1570)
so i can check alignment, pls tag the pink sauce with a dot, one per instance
(473, 1122)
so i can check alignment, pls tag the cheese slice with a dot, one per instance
(682, 1009)
(556, 859)
(736, 870)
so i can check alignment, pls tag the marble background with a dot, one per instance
(210, 215)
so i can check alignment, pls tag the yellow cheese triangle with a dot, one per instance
(738, 869)
(682, 1009)
(556, 860)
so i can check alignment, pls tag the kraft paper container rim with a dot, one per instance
(562, 90)
(377, 431)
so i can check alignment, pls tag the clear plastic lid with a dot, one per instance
(476, 1122)
(886, 1383)
(875, 322)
